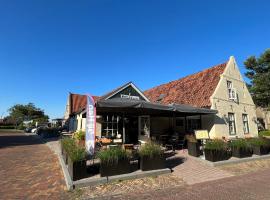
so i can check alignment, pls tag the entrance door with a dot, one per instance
(131, 130)
(144, 128)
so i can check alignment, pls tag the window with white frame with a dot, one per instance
(231, 91)
(245, 123)
(112, 125)
(232, 126)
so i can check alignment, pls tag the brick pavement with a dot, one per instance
(252, 186)
(193, 171)
(137, 185)
(246, 167)
(28, 169)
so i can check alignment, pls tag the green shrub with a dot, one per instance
(49, 131)
(264, 133)
(215, 144)
(239, 143)
(150, 149)
(7, 127)
(112, 155)
(258, 142)
(80, 135)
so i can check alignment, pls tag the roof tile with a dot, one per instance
(195, 89)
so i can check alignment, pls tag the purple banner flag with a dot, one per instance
(90, 132)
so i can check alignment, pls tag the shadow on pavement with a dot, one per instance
(18, 139)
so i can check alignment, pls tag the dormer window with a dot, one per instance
(231, 91)
(160, 98)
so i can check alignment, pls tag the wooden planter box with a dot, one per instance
(260, 150)
(77, 170)
(147, 163)
(241, 152)
(216, 155)
(194, 149)
(112, 169)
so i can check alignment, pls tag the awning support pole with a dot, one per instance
(124, 131)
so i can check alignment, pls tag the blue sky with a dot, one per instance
(49, 48)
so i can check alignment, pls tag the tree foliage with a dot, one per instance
(20, 113)
(258, 71)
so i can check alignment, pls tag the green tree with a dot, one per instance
(258, 71)
(20, 113)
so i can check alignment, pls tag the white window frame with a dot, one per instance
(245, 123)
(114, 125)
(232, 124)
(231, 91)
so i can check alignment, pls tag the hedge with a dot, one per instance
(7, 127)
(264, 133)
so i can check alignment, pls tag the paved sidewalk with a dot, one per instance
(193, 171)
(29, 169)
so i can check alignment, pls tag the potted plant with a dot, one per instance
(216, 150)
(193, 146)
(259, 146)
(80, 137)
(114, 161)
(240, 148)
(76, 162)
(151, 157)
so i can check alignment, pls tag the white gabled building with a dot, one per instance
(221, 88)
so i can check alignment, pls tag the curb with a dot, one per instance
(103, 180)
(69, 182)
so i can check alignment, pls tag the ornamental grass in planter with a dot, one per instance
(114, 161)
(80, 137)
(259, 146)
(151, 157)
(240, 148)
(76, 162)
(193, 146)
(216, 150)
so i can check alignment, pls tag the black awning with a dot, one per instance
(190, 109)
(133, 106)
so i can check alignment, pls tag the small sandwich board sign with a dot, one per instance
(201, 134)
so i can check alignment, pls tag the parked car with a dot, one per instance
(34, 130)
(28, 130)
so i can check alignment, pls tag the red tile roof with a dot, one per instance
(195, 89)
(78, 102)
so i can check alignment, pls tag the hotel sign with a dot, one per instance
(128, 96)
(90, 132)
